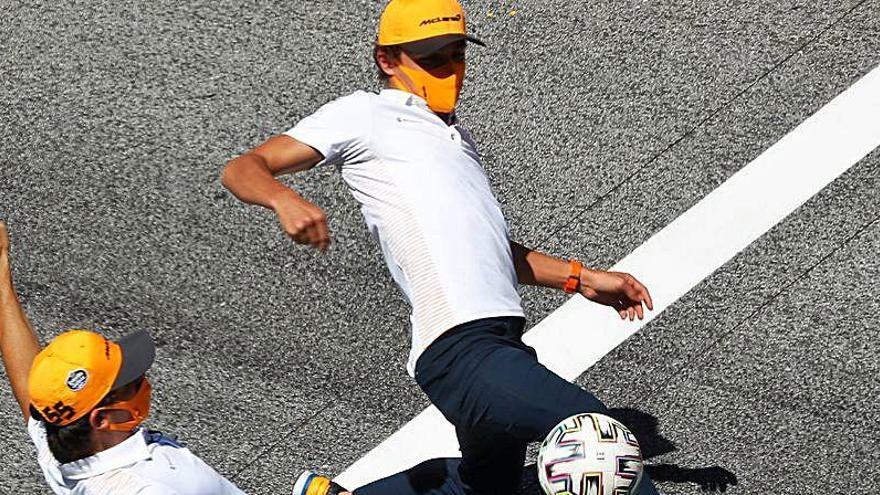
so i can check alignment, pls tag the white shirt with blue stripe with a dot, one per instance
(147, 463)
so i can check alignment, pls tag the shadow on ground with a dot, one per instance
(711, 478)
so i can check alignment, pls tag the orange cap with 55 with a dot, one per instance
(72, 375)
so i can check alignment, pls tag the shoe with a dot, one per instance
(310, 483)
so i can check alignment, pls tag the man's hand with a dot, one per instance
(304, 222)
(619, 290)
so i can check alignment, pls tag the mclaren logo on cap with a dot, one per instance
(435, 20)
(77, 379)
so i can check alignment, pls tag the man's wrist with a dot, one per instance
(282, 195)
(588, 277)
(573, 281)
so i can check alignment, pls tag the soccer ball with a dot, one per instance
(590, 454)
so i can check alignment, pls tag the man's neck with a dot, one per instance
(104, 440)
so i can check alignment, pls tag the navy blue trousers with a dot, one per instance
(490, 385)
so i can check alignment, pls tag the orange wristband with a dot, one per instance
(574, 278)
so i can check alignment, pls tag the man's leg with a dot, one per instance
(514, 394)
(491, 462)
(493, 385)
(490, 385)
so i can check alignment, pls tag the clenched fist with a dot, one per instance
(304, 222)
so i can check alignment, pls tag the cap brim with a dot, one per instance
(431, 45)
(138, 352)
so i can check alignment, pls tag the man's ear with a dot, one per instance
(385, 60)
(98, 420)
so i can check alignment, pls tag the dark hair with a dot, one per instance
(67, 443)
(70, 442)
(393, 51)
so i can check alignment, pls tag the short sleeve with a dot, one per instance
(339, 130)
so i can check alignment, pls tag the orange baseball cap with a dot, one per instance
(433, 23)
(79, 368)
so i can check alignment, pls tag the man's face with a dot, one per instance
(118, 413)
(435, 75)
(439, 63)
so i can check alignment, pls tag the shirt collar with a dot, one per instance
(411, 100)
(131, 451)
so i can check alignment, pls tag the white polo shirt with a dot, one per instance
(427, 201)
(146, 463)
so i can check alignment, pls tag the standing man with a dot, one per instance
(84, 398)
(427, 201)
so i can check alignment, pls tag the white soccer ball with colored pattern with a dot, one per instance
(590, 454)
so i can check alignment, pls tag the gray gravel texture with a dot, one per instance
(116, 118)
(782, 395)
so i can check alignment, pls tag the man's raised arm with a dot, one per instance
(621, 291)
(18, 343)
(251, 178)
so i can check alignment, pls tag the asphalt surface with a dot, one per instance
(599, 124)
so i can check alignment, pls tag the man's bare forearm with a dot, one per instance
(249, 178)
(618, 290)
(536, 268)
(18, 343)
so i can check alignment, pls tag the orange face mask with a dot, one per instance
(441, 93)
(138, 406)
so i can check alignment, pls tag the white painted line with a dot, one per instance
(675, 259)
